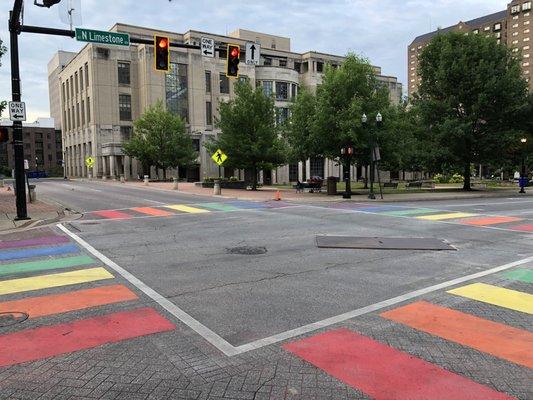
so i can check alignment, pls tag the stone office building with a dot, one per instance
(96, 94)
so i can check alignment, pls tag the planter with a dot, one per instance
(226, 185)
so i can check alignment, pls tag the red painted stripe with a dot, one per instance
(110, 214)
(385, 373)
(522, 228)
(152, 211)
(489, 221)
(49, 341)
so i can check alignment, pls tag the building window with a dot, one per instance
(124, 107)
(125, 133)
(319, 66)
(282, 63)
(297, 67)
(208, 81)
(196, 144)
(526, 6)
(83, 112)
(293, 172)
(515, 9)
(123, 73)
(282, 90)
(177, 93)
(88, 110)
(267, 61)
(268, 88)
(294, 90)
(282, 114)
(475, 31)
(244, 79)
(76, 82)
(317, 167)
(86, 74)
(78, 120)
(81, 79)
(208, 113)
(71, 87)
(498, 26)
(498, 35)
(224, 84)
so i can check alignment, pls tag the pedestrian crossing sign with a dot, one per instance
(89, 161)
(219, 157)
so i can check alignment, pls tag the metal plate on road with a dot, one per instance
(376, 243)
(207, 47)
(103, 37)
(253, 53)
(17, 111)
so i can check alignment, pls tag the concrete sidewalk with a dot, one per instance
(39, 212)
(269, 193)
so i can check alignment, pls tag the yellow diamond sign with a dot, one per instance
(89, 161)
(219, 157)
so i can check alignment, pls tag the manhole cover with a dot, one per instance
(12, 318)
(247, 250)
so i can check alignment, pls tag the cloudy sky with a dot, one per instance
(378, 29)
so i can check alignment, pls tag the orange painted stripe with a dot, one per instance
(72, 301)
(489, 220)
(152, 211)
(512, 344)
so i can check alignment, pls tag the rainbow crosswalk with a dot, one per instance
(357, 360)
(427, 214)
(30, 267)
(181, 209)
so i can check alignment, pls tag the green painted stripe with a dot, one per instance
(523, 275)
(218, 206)
(414, 211)
(43, 265)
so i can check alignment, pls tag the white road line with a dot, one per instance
(373, 307)
(202, 330)
(230, 350)
(155, 202)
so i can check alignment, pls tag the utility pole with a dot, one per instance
(18, 145)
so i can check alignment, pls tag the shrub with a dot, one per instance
(440, 178)
(457, 178)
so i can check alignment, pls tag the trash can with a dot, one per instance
(332, 185)
(33, 194)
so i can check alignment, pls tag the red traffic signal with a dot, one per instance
(161, 53)
(233, 59)
(4, 135)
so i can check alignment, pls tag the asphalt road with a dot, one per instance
(187, 258)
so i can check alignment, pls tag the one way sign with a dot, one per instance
(208, 47)
(17, 111)
(253, 53)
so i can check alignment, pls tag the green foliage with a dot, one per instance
(299, 131)
(469, 101)
(457, 178)
(249, 135)
(160, 139)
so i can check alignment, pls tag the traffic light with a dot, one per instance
(50, 3)
(232, 63)
(4, 135)
(161, 53)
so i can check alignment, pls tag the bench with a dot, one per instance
(314, 187)
(393, 185)
(421, 184)
(411, 185)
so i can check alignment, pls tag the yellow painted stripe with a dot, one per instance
(54, 280)
(441, 217)
(498, 296)
(187, 209)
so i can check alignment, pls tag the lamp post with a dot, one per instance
(523, 175)
(347, 154)
(373, 155)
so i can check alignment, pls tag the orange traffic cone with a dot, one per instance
(278, 196)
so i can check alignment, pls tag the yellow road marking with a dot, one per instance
(497, 296)
(441, 217)
(187, 209)
(54, 280)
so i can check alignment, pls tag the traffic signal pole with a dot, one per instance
(18, 145)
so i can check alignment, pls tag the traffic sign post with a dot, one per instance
(253, 53)
(89, 161)
(103, 37)
(219, 157)
(207, 47)
(17, 111)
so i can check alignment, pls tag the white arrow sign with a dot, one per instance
(17, 111)
(253, 53)
(207, 47)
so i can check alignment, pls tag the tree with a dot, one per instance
(249, 135)
(469, 99)
(160, 139)
(3, 50)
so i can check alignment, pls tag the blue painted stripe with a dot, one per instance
(247, 204)
(378, 209)
(38, 252)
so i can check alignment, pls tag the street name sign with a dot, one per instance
(219, 157)
(89, 161)
(17, 111)
(103, 37)
(207, 47)
(253, 53)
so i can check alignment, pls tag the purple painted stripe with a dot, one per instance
(40, 241)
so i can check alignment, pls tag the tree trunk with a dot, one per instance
(466, 174)
(164, 174)
(254, 178)
(367, 171)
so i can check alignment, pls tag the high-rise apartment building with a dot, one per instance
(512, 27)
(97, 93)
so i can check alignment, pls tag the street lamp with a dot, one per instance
(523, 175)
(373, 155)
(347, 154)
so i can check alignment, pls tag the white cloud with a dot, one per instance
(380, 30)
